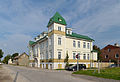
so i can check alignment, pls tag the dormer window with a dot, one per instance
(59, 28)
(59, 19)
(68, 32)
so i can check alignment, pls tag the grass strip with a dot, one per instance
(109, 73)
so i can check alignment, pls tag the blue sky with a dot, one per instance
(22, 20)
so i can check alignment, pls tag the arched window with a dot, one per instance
(116, 55)
(84, 56)
(106, 56)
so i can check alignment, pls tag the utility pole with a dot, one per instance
(109, 62)
(118, 61)
(77, 63)
(98, 66)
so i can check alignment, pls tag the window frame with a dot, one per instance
(74, 43)
(59, 55)
(116, 56)
(59, 41)
(78, 44)
(88, 45)
(84, 44)
(84, 56)
(88, 56)
(59, 28)
(106, 56)
(74, 55)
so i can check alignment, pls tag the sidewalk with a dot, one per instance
(4, 75)
(16, 76)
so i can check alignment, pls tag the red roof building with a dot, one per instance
(110, 53)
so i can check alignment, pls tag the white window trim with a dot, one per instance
(74, 55)
(74, 43)
(106, 57)
(84, 44)
(78, 44)
(59, 40)
(116, 56)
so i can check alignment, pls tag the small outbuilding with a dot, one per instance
(22, 59)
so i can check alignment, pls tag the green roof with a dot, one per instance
(31, 42)
(79, 36)
(57, 18)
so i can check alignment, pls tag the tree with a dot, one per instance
(1, 54)
(6, 58)
(14, 55)
(95, 47)
(66, 60)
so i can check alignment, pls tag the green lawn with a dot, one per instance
(110, 73)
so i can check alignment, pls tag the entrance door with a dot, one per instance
(46, 66)
(50, 66)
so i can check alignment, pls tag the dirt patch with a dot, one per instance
(4, 76)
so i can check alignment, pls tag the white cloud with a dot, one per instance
(21, 18)
(15, 43)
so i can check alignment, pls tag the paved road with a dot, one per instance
(44, 75)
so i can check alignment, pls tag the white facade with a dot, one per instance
(49, 50)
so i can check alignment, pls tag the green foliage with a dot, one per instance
(98, 50)
(66, 60)
(115, 61)
(110, 73)
(1, 54)
(6, 59)
(14, 55)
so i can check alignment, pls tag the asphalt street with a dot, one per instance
(43, 75)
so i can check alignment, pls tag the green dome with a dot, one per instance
(57, 18)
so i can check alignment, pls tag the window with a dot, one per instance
(74, 56)
(59, 41)
(59, 55)
(47, 44)
(68, 32)
(46, 55)
(59, 28)
(50, 29)
(50, 54)
(88, 45)
(116, 55)
(106, 56)
(84, 56)
(50, 41)
(84, 44)
(78, 44)
(109, 50)
(88, 57)
(59, 19)
(78, 55)
(74, 44)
